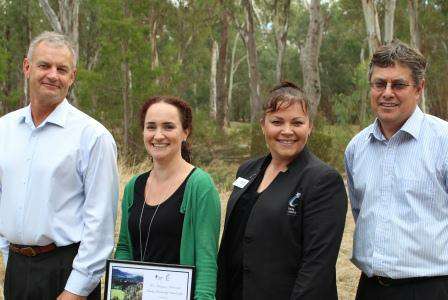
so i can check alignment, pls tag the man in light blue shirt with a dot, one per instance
(397, 172)
(58, 185)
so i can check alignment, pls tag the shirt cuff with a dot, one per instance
(80, 284)
(5, 259)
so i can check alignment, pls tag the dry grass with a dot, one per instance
(347, 274)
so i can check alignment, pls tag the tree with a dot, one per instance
(222, 69)
(389, 17)
(309, 57)
(66, 23)
(213, 80)
(247, 32)
(280, 27)
(415, 37)
(372, 24)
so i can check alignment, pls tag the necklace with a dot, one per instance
(142, 254)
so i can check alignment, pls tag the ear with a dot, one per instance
(73, 75)
(262, 120)
(26, 68)
(187, 133)
(421, 88)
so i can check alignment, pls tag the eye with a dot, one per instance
(62, 70)
(150, 126)
(276, 122)
(169, 126)
(399, 85)
(379, 84)
(298, 123)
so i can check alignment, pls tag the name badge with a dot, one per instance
(240, 182)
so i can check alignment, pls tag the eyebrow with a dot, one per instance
(39, 62)
(164, 123)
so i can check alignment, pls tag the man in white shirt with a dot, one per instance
(397, 171)
(58, 185)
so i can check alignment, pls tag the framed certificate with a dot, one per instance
(148, 281)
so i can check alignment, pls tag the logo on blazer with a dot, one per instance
(293, 204)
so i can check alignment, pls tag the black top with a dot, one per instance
(163, 243)
(233, 243)
(292, 237)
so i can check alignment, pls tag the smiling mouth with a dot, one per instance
(160, 146)
(50, 85)
(286, 142)
(388, 104)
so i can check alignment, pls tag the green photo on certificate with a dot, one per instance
(148, 281)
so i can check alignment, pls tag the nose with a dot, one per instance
(388, 91)
(52, 73)
(287, 130)
(158, 135)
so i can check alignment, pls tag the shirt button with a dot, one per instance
(246, 269)
(248, 239)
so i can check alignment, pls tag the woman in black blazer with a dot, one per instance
(286, 214)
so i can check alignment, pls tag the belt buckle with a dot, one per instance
(383, 281)
(28, 251)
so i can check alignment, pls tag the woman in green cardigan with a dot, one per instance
(171, 214)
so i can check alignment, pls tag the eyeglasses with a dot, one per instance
(396, 86)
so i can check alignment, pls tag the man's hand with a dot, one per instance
(66, 295)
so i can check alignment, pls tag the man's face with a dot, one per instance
(395, 103)
(50, 73)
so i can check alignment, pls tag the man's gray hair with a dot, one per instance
(398, 52)
(53, 38)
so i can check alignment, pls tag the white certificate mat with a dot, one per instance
(148, 281)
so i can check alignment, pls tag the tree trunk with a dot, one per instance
(126, 89)
(389, 17)
(233, 68)
(372, 25)
(222, 71)
(415, 37)
(309, 57)
(281, 31)
(67, 23)
(413, 23)
(153, 40)
(213, 92)
(252, 55)
(248, 35)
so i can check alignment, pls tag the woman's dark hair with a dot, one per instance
(185, 114)
(284, 95)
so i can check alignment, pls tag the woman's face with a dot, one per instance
(163, 133)
(286, 131)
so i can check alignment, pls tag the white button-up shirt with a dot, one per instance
(399, 195)
(59, 183)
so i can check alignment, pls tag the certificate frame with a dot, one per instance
(144, 280)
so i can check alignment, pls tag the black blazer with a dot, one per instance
(293, 234)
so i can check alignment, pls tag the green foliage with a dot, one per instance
(328, 142)
(348, 108)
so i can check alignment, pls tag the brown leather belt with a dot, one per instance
(31, 250)
(386, 281)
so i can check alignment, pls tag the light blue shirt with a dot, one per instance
(59, 183)
(399, 195)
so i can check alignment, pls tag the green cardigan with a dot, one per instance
(200, 231)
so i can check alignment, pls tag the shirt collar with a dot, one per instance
(414, 123)
(411, 126)
(58, 116)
